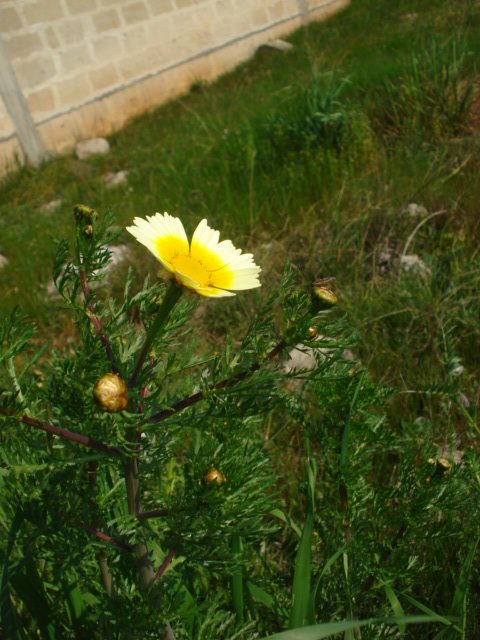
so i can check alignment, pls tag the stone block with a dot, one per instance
(181, 4)
(71, 31)
(259, 17)
(139, 64)
(277, 11)
(51, 37)
(41, 102)
(134, 40)
(94, 147)
(136, 12)
(106, 20)
(33, 73)
(104, 77)
(22, 46)
(74, 90)
(42, 11)
(81, 6)
(107, 47)
(10, 21)
(160, 6)
(76, 58)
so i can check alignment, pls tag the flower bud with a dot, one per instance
(84, 215)
(323, 297)
(213, 475)
(110, 393)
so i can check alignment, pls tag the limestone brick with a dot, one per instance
(107, 48)
(41, 102)
(42, 11)
(73, 91)
(181, 4)
(23, 45)
(139, 64)
(10, 21)
(33, 73)
(134, 40)
(106, 20)
(259, 17)
(136, 12)
(51, 37)
(71, 31)
(74, 58)
(104, 77)
(81, 6)
(112, 3)
(276, 11)
(160, 6)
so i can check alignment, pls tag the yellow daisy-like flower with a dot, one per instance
(209, 267)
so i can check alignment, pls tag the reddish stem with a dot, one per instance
(156, 513)
(68, 435)
(96, 323)
(165, 564)
(200, 395)
(99, 534)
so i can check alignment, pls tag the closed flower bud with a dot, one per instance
(213, 475)
(111, 393)
(84, 214)
(324, 297)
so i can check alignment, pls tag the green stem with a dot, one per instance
(172, 296)
(132, 483)
(237, 579)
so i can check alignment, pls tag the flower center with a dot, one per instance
(191, 268)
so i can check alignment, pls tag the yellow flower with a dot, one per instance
(209, 267)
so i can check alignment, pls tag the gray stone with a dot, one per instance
(51, 206)
(279, 45)
(93, 147)
(112, 179)
(415, 210)
(414, 264)
(302, 357)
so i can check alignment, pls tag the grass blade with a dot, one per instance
(330, 629)
(237, 580)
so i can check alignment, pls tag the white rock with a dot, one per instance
(302, 357)
(115, 179)
(414, 264)
(95, 146)
(3, 261)
(279, 45)
(51, 206)
(415, 210)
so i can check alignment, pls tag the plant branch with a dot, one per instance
(99, 534)
(96, 323)
(172, 296)
(66, 435)
(227, 382)
(165, 564)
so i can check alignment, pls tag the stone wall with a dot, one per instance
(85, 67)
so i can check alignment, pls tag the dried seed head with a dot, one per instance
(213, 475)
(110, 393)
